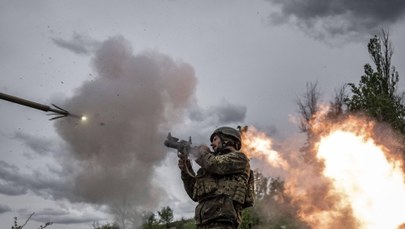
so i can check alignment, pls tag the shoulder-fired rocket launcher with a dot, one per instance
(56, 111)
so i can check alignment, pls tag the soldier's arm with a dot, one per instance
(188, 182)
(187, 179)
(234, 162)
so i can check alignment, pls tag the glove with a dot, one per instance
(182, 163)
(203, 149)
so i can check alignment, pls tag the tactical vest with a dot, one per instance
(240, 187)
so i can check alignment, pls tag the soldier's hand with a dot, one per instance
(203, 149)
(183, 163)
(181, 155)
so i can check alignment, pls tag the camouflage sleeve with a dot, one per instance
(234, 162)
(188, 180)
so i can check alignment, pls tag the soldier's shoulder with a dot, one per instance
(240, 154)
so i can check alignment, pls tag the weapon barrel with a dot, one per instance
(172, 144)
(31, 104)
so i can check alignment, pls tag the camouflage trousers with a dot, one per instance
(217, 225)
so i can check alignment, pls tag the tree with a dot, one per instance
(166, 215)
(337, 106)
(106, 226)
(150, 221)
(16, 226)
(273, 206)
(308, 105)
(249, 219)
(376, 95)
(126, 215)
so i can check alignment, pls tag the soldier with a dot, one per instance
(221, 187)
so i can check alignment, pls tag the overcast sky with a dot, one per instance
(139, 69)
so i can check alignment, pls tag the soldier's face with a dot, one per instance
(216, 143)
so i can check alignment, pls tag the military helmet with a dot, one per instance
(230, 133)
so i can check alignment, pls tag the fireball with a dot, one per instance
(351, 176)
(258, 145)
(365, 179)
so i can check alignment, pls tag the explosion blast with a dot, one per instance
(351, 175)
(370, 184)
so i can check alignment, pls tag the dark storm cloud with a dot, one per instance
(340, 17)
(14, 182)
(4, 208)
(79, 44)
(11, 188)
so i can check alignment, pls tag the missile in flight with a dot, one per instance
(56, 111)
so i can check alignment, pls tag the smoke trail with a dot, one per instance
(130, 106)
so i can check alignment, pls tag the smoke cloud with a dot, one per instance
(339, 17)
(130, 106)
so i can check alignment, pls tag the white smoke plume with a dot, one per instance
(130, 106)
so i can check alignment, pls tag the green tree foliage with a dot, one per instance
(106, 226)
(250, 219)
(184, 224)
(166, 215)
(150, 221)
(376, 94)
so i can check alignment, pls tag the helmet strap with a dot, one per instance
(225, 143)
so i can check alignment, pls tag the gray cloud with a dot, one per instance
(4, 208)
(79, 44)
(11, 188)
(9, 175)
(339, 17)
(14, 182)
(39, 145)
(223, 113)
(63, 216)
(203, 121)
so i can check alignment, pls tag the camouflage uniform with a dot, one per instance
(220, 188)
